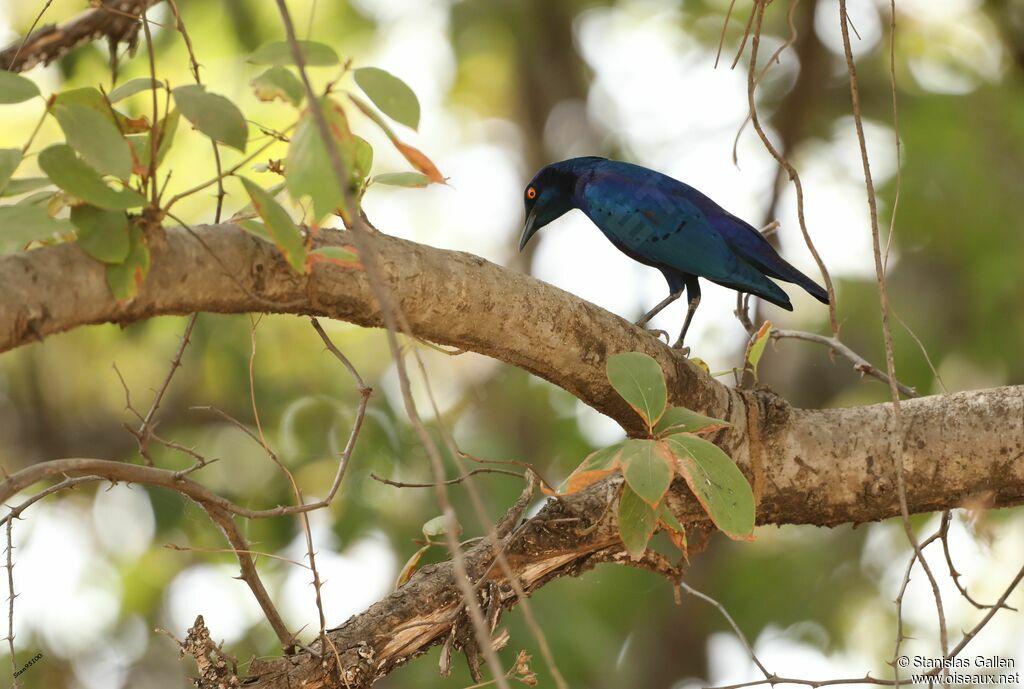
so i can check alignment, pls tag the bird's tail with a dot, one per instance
(809, 285)
(771, 264)
(753, 248)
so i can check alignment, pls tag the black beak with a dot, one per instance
(529, 229)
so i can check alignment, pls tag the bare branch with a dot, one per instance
(860, 364)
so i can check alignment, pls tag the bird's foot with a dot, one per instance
(659, 334)
(685, 351)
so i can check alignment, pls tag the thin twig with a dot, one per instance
(338, 355)
(758, 15)
(883, 297)
(230, 171)
(14, 60)
(746, 35)
(248, 571)
(860, 364)
(151, 177)
(493, 536)
(449, 482)
(194, 63)
(145, 431)
(725, 26)
(303, 516)
(388, 312)
(258, 553)
(15, 512)
(947, 516)
(895, 131)
(11, 595)
(732, 623)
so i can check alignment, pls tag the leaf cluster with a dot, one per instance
(103, 187)
(674, 448)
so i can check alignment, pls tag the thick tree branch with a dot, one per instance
(450, 297)
(810, 484)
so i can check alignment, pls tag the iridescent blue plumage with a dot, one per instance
(661, 222)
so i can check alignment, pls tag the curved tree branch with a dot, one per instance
(220, 268)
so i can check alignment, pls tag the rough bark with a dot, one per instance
(820, 467)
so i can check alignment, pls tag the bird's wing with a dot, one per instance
(653, 224)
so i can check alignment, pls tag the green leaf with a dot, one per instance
(74, 176)
(21, 224)
(336, 254)
(410, 567)
(125, 279)
(40, 198)
(683, 420)
(676, 532)
(165, 131)
(213, 115)
(279, 82)
(257, 228)
(357, 154)
(141, 146)
(438, 526)
(402, 179)
(103, 234)
(15, 88)
(648, 469)
(286, 233)
(719, 485)
(10, 159)
(666, 517)
(280, 53)
(130, 88)
(308, 170)
(389, 93)
(247, 211)
(92, 98)
(636, 522)
(96, 139)
(88, 96)
(756, 347)
(24, 185)
(640, 381)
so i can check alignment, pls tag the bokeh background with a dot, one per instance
(507, 86)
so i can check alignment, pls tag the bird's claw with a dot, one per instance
(659, 334)
(685, 351)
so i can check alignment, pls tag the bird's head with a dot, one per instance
(551, 194)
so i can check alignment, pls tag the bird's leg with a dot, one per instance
(693, 292)
(659, 308)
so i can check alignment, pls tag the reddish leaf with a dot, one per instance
(345, 256)
(595, 467)
(420, 161)
(410, 567)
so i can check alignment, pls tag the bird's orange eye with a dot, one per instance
(531, 193)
